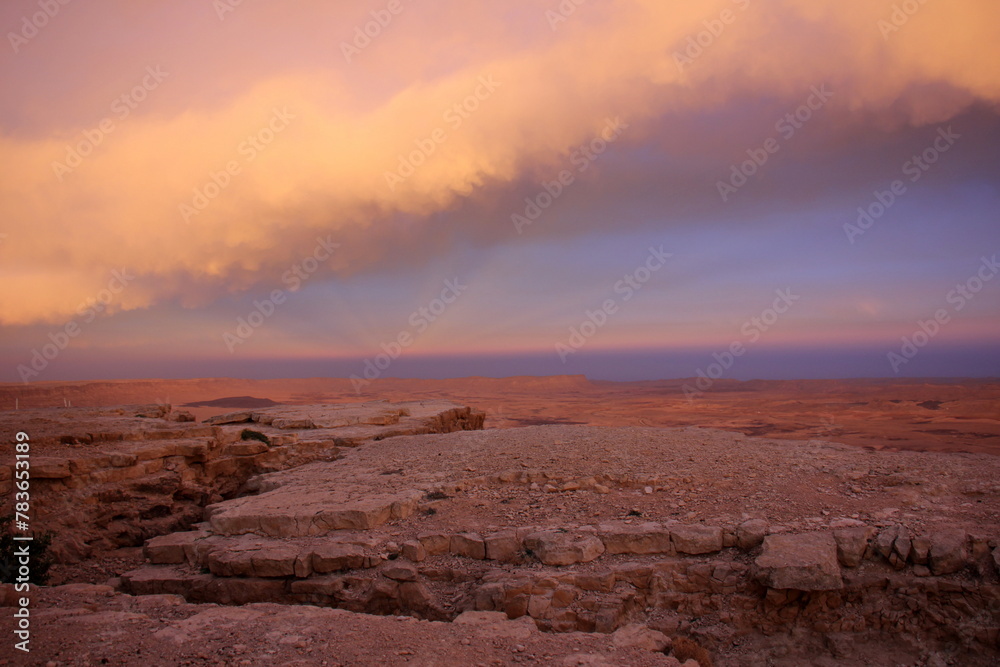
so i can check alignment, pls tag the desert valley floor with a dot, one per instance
(513, 521)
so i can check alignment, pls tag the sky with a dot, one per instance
(625, 189)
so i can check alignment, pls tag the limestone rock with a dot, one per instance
(414, 551)
(173, 547)
(639, 636)
(921, 549)
(276, 560)
(414, 595)
(948, 552)
(886, 540)
(470, 545)
(852, 543)
(804, 562)
(558, 548)
(503, 546)
(435, 543)
(696, 539)
(46, 467)
(903, 544)
(645, 538)
(400, 572)
(751, 533)
(333, 557)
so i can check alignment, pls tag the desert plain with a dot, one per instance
(525, 520)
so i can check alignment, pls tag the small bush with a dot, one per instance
(40, 563)
(685, 649)
(248, 434)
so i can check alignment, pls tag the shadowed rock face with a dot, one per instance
(106, 477)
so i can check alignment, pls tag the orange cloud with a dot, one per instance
(304, 150)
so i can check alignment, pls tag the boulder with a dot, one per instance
(558, 548)
(414, 551)
(470, 545)
(636, 635)
(948, 552)
(696, 539)
(751, 533)
(645, 538)
(886, 538)
(852, 543)
(921, 549)
(435, 543)
(413, 595)
(503, 546)
(803, 562)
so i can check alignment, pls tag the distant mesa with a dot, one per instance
(234, 402)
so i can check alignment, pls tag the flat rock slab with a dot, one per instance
(803, 562)
(410, 415)
(314, 508)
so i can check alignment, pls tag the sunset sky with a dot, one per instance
(629, 189)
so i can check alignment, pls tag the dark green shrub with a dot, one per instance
(248, 434)
(41, 561)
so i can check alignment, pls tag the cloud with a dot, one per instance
(526, 96)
